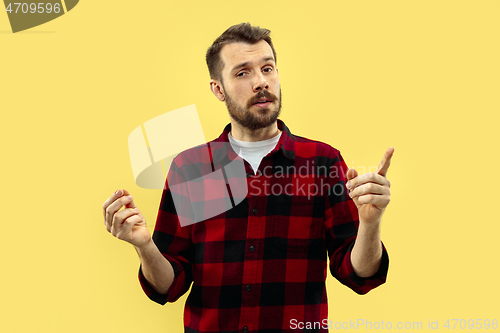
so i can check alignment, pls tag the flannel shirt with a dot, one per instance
(260, 265)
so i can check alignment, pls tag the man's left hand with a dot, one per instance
(371, 191)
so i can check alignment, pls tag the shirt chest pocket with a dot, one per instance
(298, 225)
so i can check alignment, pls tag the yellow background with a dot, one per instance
(422, 76)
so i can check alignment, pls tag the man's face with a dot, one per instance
(251, 84)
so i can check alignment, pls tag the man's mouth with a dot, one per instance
(263, 102)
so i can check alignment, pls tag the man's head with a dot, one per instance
(242, 65)
(240, 33)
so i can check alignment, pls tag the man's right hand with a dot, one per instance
(127, 224)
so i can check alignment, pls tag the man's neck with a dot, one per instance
(244, 134)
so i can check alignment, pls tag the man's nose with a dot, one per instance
(260, 82)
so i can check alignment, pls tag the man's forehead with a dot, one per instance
(235, 53)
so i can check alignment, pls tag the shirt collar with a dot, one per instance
(286, 144)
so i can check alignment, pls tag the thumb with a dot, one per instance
(131, 204)
(351, 173)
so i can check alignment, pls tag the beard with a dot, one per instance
(265, 116)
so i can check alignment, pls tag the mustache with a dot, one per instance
(263, 93)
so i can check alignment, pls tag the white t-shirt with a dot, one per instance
(253, 152)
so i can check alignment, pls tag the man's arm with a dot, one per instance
(371, 193)
(155, 267)
(129, 225)
(366, 254)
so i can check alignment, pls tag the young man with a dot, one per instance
(261, 263)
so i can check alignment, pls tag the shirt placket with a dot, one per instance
(256, 218)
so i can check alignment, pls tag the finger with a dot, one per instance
(120, 217)
(370, 177)
(128, 224)
(379, 201)
(369, 188)
(386, 162)
(114, 207)
(351, 174)
(109, 201)
(132, 203)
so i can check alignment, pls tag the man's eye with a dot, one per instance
(241, 74)
(268, 69)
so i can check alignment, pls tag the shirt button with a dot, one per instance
(248, 288)
(252, 248)
(255, 211)
(245, 329)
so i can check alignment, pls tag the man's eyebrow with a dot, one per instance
(248, 63)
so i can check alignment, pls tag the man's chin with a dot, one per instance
(268, 110)
(254, 117)
(257, 122)
(263, 111)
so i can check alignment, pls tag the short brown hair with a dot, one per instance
(243, 32)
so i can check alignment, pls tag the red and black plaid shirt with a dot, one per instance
(261, 264)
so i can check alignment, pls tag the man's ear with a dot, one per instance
(217, 90)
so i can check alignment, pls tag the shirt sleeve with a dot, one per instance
(172, 239)
(341, 224)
